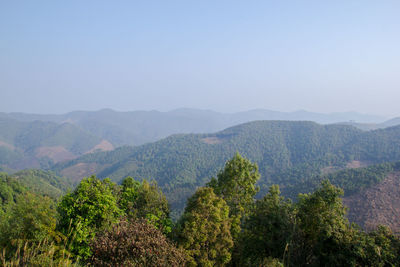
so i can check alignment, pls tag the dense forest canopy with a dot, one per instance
(287, 153)
(103, 223)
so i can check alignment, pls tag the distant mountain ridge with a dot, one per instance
(139, 127)
(38, 141)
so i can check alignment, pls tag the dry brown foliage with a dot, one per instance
(134, 243)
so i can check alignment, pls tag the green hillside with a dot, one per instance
(285, 151)
(42, 183)
(351, 180)
(288, 153)
(39, 144)
(45, 183)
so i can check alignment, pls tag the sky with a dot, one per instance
(321, 56)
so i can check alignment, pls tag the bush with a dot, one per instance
(134, 243)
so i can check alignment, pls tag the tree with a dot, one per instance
(145, 200)
(236, 185)
(268, 230)
(204, 229)
(323, 227)
(134, 243)
(31, 219)
(91, 207)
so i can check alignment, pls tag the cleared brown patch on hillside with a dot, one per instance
(379, 204)
(356, 164)
(211, 140)
(329, 169)
(56, 153)
(104, 145)
(78, 171)
(6, 145)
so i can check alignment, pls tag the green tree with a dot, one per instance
(145, 200)
(204, 229)
(91, 207)
(323, 227)
(268, 230)
(236, 184)
(31, 219)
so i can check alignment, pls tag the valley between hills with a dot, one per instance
(296, 155)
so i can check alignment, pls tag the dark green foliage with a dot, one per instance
(322, 226)
(288, 154)
(350, 180)
(134, 243)
(312, 232)
(236, 185)
(268, 231)
(204, 230)
(91, 207)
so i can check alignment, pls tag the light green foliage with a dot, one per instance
(236, 185)
(44, 183)
(32, 218)
(145, 200)
(44, 254)
(204, 229)
(91, 207)
(268, 230)
(9, 189)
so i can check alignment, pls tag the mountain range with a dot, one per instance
(291, 154)
(40, 140)
(297, 155)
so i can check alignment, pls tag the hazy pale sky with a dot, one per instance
(324, 56)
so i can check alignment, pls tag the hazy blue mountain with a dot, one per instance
(39, 144)
(374, 126)
(139, 127)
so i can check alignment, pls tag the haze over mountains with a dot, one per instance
(359, 153)
(291, 150)
(295, 155)
(39, 140)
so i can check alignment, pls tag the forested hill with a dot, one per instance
(286, 152)
(42, 183)
(39, 144)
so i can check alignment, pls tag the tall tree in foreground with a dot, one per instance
(268, 231)
(204, 230)
(323, 227)
(236, 184)
(91, 207)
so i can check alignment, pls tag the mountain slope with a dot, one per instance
(182, 162)
(139, 127)
(378, 204)
(43, 183)
(40, 144)
(295, 155)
